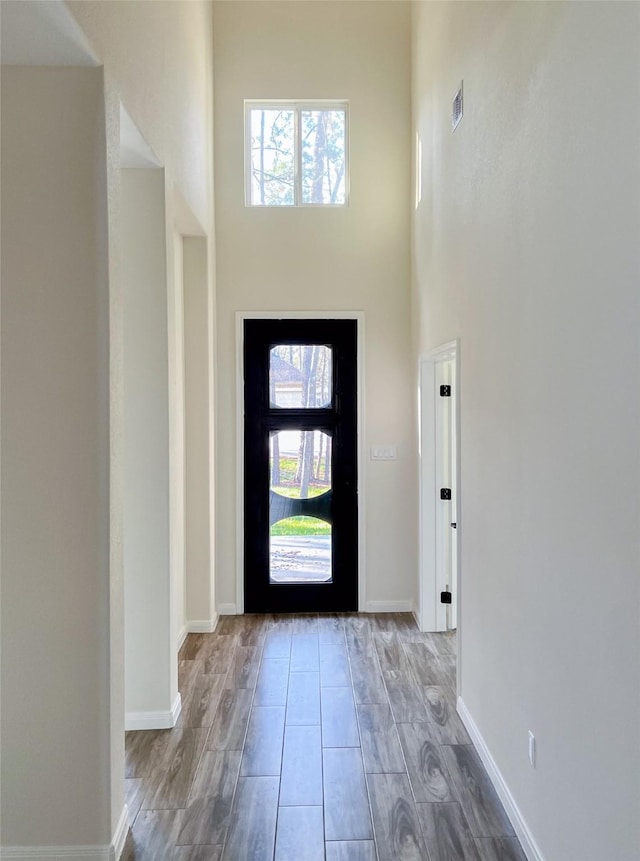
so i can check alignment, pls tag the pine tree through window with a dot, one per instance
(296, 154)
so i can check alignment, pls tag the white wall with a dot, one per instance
(167, 88)
(177, 525)
(200, 600)
(157, 58)
(150, 673)
(56, 778)
(526, 247)
(356, 258)
(110, 213)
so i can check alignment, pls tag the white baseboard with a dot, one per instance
(182, 636)
(388, 607)
(56, 853)
(227, 610)
(529, 845)
(196, 626)
(78, 853)
(202, 626)
(154, 720)
(120, 836)
(416, 615)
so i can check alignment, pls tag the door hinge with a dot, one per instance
(445, 597)
(445, 391)
(445, 493)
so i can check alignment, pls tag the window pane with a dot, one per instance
(300, 550)
(300, 375)
(323, 156)
(300, 463)
(272, 157)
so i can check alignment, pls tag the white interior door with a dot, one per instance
(452, 621)
(446, 545)
(447, 454)
(438, 490)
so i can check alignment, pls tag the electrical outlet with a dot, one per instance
(532, 749)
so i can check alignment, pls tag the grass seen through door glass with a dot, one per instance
(301, 526)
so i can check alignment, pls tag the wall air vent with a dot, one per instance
(456, 112)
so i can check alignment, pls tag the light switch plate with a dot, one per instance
(383, 452)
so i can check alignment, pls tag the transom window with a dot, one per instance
(296, 153)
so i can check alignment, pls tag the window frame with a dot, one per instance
(297, 107)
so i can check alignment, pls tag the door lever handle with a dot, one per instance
(454, 525)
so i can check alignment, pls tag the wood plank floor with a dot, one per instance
(314, 738)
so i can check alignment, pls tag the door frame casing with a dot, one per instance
(431, 613)
(241, 316)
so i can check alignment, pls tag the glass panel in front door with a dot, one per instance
(300, 550)
(300, 463)
(300, 376)
(299, 506)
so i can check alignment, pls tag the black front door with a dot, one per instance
(300, 466)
